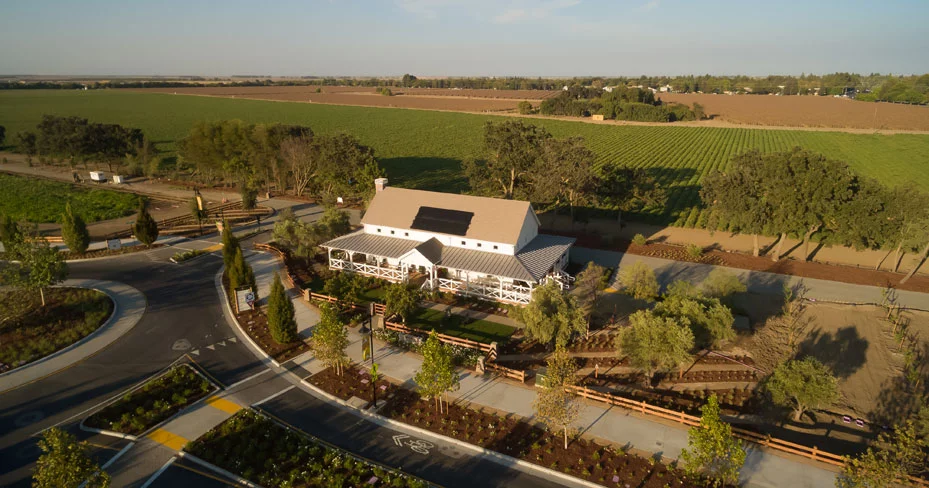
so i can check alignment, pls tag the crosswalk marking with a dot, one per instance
(169, 439)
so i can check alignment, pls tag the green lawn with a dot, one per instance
(43, 201)
(459, 326)
(423, 149)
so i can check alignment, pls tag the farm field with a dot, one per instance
(418, 98)
(43, 201)
(424, 149)
(794, 111)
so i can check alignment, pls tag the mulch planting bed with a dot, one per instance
(255, 324)
(353, 382)
(31, 331)
(595, 343)
(508, 434)
(99, 253)
(152, 404)
(682, 398)
(715, 376)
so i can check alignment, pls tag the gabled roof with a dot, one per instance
(493, 219)
(358, 241)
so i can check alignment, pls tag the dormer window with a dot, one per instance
(379, 230)
(478, 244)
(495, 247)
(391, 232)
(463, 243)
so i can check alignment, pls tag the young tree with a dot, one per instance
(10, 233)
(249, 195)
(333, 223)
(710, 320)
(230, 245)
(40, 266)
(74, 231)
(524, 107)
(145, 227)
(712, 449)
(65, 463)
(722, 284)
(346, 287)
(589, 286)
(552, 316)
(554, 405)
(638, 280)
(654, 343)
(512, 151)
(802, 385)
(281, 321)
(889, 461)
(437, 374)
(400, 299)
(330, 339)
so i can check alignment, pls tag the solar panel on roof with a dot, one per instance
(442, 220)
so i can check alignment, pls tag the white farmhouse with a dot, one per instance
(485, 247)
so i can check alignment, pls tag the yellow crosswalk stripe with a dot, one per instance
(214, 247)
(169, 439)
(223, 404)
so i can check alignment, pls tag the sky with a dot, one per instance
(462, 37)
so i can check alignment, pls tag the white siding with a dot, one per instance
(445, 239)
(529, 230)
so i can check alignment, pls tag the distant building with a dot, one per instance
(665, 89)
(484, 247)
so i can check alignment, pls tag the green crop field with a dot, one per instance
(43, 201)
(423, 149)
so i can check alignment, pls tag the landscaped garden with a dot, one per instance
(153, 403)
(262, 451)
(180, 257)
(30, 331)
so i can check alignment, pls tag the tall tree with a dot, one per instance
(712, 449)
(230, 245)
(589, 286)
(654, 343)
(281, 320)
(330, 339)
(739, 196)
(552, 317)
(74, 231)
(567, 171)
(710, 320)
(65, 463)
(555, 405)
(512, 150)
(627, 189)
(802, 384)
(145, 228)
(437, 374)
(301, 158)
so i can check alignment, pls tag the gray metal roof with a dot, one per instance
(531, 263)
(542, 252)
(388, 247)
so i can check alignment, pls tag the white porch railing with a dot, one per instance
(506, 292)
(391, 274)
(563, 279)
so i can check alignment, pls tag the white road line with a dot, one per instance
(272, 397)
(117, 456)
(158, 473)
(237, 383)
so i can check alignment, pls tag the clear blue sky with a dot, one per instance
(462, 37)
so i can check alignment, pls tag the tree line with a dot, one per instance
(252, 155)
(803, 194)
(620, 103)
(78, 140)
(524, 161)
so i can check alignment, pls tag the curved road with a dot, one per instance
(184, 314)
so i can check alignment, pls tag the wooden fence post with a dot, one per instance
(814, 453)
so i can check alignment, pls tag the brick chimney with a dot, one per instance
(380, 184)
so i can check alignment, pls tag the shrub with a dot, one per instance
(638, 280)
(694, 251)
(639, 240)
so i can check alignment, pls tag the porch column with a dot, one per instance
(501, 286)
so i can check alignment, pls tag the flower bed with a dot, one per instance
(510, 435)
(264, 452)
(155, 402)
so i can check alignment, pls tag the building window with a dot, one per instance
(495, 247)
(406, 234)
(379, 230)
(462, 243)
(391, 232)
(478, 244)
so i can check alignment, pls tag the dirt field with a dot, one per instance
(857, 344)
(418, 98)
(793, 111)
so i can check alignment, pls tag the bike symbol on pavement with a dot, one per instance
(416, 445)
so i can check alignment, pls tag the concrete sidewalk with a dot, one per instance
(762, 469)
(129, 305)
(760, 282)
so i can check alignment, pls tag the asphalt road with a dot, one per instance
(184, 314)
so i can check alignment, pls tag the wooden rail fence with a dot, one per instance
(515, 374)
(288, 277)
(457, 341)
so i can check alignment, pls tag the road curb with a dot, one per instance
(212, 467)
(109, 433)
(59, 352)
